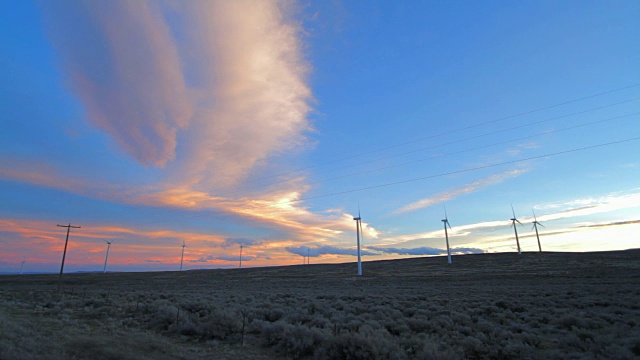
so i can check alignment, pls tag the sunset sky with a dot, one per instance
(268, 124)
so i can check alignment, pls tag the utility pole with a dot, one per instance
(64, 254)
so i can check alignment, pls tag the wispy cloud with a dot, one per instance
(454, 193)
(241, 241)
(425, 250)
(123, 64)
(326, 250)
(482, 234)
(210, 88)
(227, 258)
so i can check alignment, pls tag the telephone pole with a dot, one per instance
(64, 254)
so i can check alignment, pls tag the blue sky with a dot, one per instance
(268, 124)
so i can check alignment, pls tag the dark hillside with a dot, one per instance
(500, 306)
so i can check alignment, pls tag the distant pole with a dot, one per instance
(308, 256)
(517, 240)
(241, 256)
(445, 221)
(535, 226)
(22, 265)
(515, 229)
(358, 219)
(446, 235)
(64, 254)
(104, 271)
(182, 256)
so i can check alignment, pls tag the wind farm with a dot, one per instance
(265, 132)
(318, 310)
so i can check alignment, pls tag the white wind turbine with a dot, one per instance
(104, 270)
(535, 226)
(182, 257)
(358, 229)
(446, 234)
(22, 265)
(240, 256)
(513, 223)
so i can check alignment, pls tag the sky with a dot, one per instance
(270, 125)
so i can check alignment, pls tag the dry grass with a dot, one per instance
(488, 306)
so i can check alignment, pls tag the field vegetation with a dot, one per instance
(485, 306)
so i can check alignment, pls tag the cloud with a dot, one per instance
(617, 223)
(252, 93)
(228, 258)
(206, 89)
(326, 250)
(454, 193)
(122, 62)
(241, 241)
(425, 250)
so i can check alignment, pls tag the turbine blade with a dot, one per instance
(541, 224)
(448, 224)
(534, 215)
(445, 213)
(518, 221)
(513, 211)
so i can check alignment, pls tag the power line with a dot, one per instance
(210, 212)
(461, 129)
(471, 149)
(461, 171)
(433, 136)
(237, 191)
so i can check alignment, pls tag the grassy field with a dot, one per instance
(486, 306)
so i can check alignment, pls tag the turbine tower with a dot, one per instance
(104, 271)
(535, 226)
(446, 234)
(182, 257)
(513, 223)
(358, 229)
(22, 265)
(240, 256)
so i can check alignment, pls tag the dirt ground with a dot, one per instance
(485, 306)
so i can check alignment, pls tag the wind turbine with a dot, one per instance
(446, 234)
(535, 226)
(182, 257)
(513, 223)
(308, 256)
(240, 256)
(22, 265)
(358, 229)
(106, 257)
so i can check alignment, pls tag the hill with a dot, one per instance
(499, 306)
